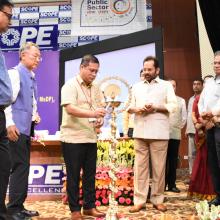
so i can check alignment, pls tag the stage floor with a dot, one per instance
(179, 207)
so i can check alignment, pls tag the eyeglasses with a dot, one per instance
(39, 58)
(9, 16)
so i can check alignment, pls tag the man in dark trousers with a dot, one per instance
(5, 100)
(19, 117)
(83, 114)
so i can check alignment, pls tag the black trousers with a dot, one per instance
(4, 163)
(171, 163)
(130, 132)
(213, 144)
(80, 156)
(18, 184)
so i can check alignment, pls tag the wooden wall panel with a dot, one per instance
(181, 47)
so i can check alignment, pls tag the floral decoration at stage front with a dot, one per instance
(124, 175)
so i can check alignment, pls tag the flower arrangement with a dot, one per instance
(124, 152)
(206, 213)
(124, 174)
(124, 183)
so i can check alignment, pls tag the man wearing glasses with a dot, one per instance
(19, 117)
(83, 114)
(5, 100)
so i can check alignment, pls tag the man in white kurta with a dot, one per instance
(152, 100)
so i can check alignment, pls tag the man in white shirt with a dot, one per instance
(177, 121)
(152, 101)
(209, 109)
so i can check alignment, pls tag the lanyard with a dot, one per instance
(88, 95)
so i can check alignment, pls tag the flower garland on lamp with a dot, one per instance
(111, 91)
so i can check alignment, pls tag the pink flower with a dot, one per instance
(97, 203)
(119, 193)
(128, 201)
(98, 192)
(105, 201)
(105, 176)
(121, 200)
(98, 176)
(125, 192)
(103, 192)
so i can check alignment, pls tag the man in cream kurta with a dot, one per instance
(152, 100)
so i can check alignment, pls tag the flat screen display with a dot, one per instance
(119, 56)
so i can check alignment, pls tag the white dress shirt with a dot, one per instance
(177, 119)
(210, 97)
(190, 129)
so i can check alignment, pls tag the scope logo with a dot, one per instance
(29, 22)
(64, 20)
(45, 179)
(65, 8)
(44, 36)
(44, 174)
(49, 14)
(67, 45)
(64, 32)
(29, 9)
(11, 37)
(93, 38)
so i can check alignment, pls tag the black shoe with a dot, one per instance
(214, 202)
(18, 216)
(29, 213)
(174, 189)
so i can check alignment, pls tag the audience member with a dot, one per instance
(152, 100)
(18, 122)
(201, 185)
(177, 121)
(82, 115)
(209, 109)
(190, 130)
(5, 100)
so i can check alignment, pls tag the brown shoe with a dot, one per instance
(93, 212)
(137, 208)
(160, 207)
(76, 215)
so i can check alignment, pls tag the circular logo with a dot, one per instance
(120, 6)
(11, 37)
